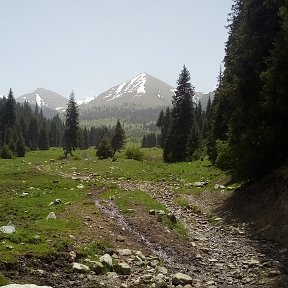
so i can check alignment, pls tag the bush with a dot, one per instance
(6, 153)
(134, 153)
(223, 159)
(105, 150)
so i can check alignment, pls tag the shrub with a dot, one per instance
(104, 151)
(223, 159)
(134, 153)
(6, 153)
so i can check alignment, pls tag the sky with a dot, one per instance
(90, 46)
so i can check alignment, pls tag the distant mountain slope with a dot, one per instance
(142, 91)
(45, 99)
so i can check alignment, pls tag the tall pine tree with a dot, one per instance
(175, 148)
(118, 139)
(71, 136)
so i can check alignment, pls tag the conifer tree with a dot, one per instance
(9, 115)
(175, 149)
(33, 134)
(20, 147)
(71, 136)
(118, 139)
(105, 150)
(43, 143)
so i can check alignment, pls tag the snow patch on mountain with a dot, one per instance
(85, 100)
(38, 99)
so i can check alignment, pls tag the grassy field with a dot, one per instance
(29, 185)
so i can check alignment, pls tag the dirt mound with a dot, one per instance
(264, 205)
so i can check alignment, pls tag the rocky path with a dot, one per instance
(226, 256)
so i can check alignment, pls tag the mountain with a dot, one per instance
(142, 91)
(45, 99)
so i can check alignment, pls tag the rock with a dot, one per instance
(124, 252)
(72, 255)
(51, 215)
(107, 259)
(161, 212)
(97, 267)
(123, 268)
(152, 212)
(8, 229)
(199, 184)
(24, 194)
(80, 267)
(120, 238)
(219, 186)
(181, 279)
(80, 186)
(163, 270)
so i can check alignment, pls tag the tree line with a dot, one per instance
(245, 128)
(23, 128)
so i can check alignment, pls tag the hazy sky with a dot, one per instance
(92, 45)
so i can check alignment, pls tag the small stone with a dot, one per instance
(51, 215)
(163, 270)
(152, 212)
(181, 279)
(107, 259)
(80, 267)
(120, 238)
(124, 252)
(123, 268)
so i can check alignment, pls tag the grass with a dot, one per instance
(45, 176)
(127, 200)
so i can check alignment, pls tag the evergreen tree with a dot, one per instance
(105, 150)
(85, 138)
(20, 147)
(71, 135)
(118, 139)
(43, 139)
(33, 134)
(9, 115)
(175, 149)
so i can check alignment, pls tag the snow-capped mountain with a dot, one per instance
(144, 91)
(45, 99)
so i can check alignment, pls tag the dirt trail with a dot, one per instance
(226, 255)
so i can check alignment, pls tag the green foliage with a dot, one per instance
(6, 152)
(105, 150)
(175, 147)
(43, 139)
(223, 159)
(71, 134)
(3, 280)
(118, 139)
(20, 147)
(134, 153)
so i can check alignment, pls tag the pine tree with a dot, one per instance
(118, 139)
(71, 136)
(175, 149)
(43, 139)
(20, 147)
(105, 150)
(9, 114)
(33, 134)
(85, 138)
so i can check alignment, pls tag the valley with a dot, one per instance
(152, 219)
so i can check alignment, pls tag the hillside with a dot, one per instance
(264, 205)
